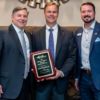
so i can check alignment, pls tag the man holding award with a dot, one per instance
(60, 41)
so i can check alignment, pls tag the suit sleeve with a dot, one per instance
(71, 58)
(33, 41)
(76, 65)
(1, 47)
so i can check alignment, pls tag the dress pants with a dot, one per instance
(87, 88)
(24, 93)
(50, 91)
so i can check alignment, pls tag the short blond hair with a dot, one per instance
(50, 4)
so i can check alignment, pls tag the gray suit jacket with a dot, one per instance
(65, 54)
(12, 62)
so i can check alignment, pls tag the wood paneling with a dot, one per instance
(31, 28)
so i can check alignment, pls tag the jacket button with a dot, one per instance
(23, 63)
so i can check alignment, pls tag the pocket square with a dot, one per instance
(78, 34)
(97, 39)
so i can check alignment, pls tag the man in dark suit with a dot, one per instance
(63, 54)
(88, 43)
(15, 48)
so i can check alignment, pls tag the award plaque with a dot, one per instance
(43, 65)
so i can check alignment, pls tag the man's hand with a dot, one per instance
(58, 74)
(1, 91)
(32, 70)
(76, 82)
(40, 80)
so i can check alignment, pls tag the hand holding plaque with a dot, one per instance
(43, 65)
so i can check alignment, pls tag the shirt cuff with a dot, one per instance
(62, 74)
(76, 79)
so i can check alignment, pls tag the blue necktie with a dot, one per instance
(51, 43)
(23, 43)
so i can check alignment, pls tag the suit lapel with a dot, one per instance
(42, 37)
(14, 36)
(95, 34)
(59, 40)
(79, 39)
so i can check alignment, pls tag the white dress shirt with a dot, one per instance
(55, 35)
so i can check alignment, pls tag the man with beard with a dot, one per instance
(88, 43)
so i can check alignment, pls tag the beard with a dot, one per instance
(88, 21)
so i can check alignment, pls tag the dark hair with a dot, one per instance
(51, 3)
(88, 3)
(18, 9)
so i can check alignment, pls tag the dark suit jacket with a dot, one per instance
(94, 56)
(65, 54)
(12, 62)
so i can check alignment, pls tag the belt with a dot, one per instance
(86, 71)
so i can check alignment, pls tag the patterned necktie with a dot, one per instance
(51, 43)
(23, 43)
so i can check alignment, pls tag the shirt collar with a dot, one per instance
(17, 29)
(91, 27)
(55, 27)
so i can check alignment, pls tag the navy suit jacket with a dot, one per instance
(65, 54)
(94, 56)
(12, 62)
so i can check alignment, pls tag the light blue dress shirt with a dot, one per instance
(27, 46)
(85, 46)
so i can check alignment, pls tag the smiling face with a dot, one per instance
(51, 15)
(19, 18)
(87, 13)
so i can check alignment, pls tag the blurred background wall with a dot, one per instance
(69, 14)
